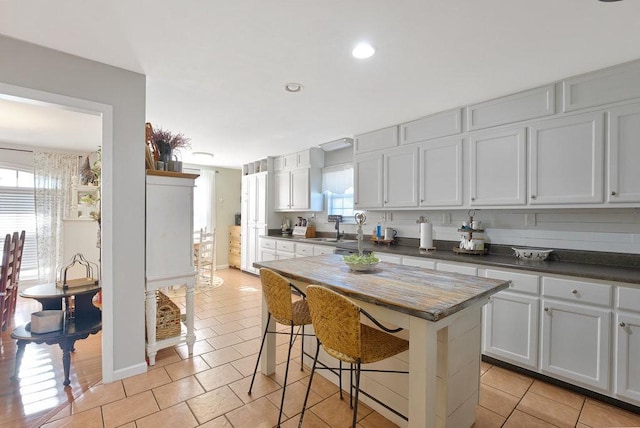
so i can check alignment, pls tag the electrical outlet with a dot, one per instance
(530, 219)
(383, 216)
(446, 218)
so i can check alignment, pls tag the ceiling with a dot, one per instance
(216, 69)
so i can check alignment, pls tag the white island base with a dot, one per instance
(450, 348)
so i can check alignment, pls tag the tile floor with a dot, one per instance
(210, 389)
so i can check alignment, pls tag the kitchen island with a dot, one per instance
(442, 314)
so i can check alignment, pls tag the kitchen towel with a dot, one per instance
(426, 236)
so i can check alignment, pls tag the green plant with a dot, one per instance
(176, 141)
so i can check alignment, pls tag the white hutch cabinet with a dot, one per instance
(169, 250)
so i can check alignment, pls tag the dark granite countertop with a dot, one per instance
(585, 264)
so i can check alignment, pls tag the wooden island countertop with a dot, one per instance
(424, 293)
(441, 313)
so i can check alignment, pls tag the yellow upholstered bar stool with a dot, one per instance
(336, 321)
(277, 292)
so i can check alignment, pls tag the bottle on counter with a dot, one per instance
(379, 231)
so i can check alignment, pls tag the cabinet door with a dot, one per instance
(497, 170)
(566, 160)
(267, 255)
(376, 140)
(281, 190)
(576, 343)
(457, 268)
(368, 181)
(261, 198)
(511, 329)
(441, 173)
(303, 158)
(624, 154)
(299, 189)
(628, 356)
(290, 161)
(401, 178)
(253, 253)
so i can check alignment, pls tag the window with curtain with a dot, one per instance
(17, 211)
(337, 185)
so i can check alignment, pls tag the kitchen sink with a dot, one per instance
(331, 240)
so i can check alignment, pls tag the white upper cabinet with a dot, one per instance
(601, 87)
(386, 179)
(497, 168)
(367, 181)
(377, 140)
(400, 177)
(441, 173)
(298, 181)
(624, 154)
(430, 127)
(525, 105)
(566, 157)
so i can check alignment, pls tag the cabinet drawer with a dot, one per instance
(320, 250)
(234, 250)
(304, 250)
(577, 291)
(628, 299)
(285, 246)
(268, 243)
(418, 262)
(464, 269)
(234, 260)
(519, 282)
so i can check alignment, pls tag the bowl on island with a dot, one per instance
(362, 263)
(531, 253)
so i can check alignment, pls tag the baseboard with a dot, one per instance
(128, 372)
(222, 266)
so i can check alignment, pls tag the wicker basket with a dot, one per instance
(167, 317)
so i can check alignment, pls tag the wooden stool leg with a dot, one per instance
(19, 353)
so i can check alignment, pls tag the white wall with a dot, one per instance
(60, 78)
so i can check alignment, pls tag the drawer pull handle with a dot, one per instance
(622, 324)
(613, 193)
(547, 309)
(533, 197)
(574, 291)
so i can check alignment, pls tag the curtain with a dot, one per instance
(338, 179)
(52, 184)
(204, 200)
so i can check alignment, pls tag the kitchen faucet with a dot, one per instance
(337, 228)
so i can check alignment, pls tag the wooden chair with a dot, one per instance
(7, 275)
(19, 250)
(336, 321)
(277, 292)
(205, 258)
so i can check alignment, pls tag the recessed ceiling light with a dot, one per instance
(293, 87)
(363, 50)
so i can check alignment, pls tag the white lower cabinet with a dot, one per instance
(419, 262)
(511, 329)
(511, 320)
(627, 353)
(628, 356)
(576, 343)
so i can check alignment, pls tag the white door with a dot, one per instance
(511, 329)
(441, 173)
(261, 198)
(299, 183)
(401, 177)
(624, 152)
(628, 356)
(245, 221)
(497, 172)
(566, 158)
(576, 343)
(368, 181)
